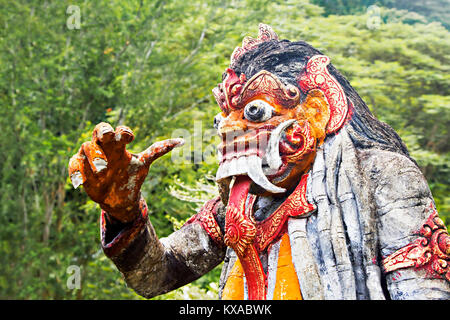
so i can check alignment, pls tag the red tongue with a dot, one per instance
(239, 192)
(240, 231)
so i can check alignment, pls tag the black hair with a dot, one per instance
(288, 60)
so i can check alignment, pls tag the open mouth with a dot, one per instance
(257, 155)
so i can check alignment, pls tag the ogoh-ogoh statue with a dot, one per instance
(318, 199)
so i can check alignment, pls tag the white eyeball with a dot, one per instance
(217, 119)
(258, 111)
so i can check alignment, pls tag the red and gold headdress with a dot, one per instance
(235, 91)
(316, 76)
(265, 33)
(228, 92)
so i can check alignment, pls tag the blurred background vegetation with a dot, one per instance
(151, 65)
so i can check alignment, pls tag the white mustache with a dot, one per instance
(252, 165)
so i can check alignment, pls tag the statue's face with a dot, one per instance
(267, 132)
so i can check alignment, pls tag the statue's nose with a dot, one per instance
(233, 123)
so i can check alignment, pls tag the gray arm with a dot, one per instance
(404, 200)
(152, 267)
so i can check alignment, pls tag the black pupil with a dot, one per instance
(254, 112)
(216, 122)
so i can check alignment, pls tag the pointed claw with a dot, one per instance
(103, 132)
(124, 134)
(77, 179)
(160, 148)
(179, 142)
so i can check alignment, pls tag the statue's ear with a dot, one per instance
(315, 109)
(316, 76)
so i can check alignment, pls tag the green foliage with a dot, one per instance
(152, 66)
(411, 11)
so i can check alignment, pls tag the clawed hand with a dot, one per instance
(110, 174)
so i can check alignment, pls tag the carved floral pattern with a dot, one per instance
(240, 231)
(301, 135)
(295, 205)
(235, 92)
(227, 93)
(431, 251)
(254, 273)
(318, 77)
(267, 84)
(248, 237)
(265, 33)
(206, 218)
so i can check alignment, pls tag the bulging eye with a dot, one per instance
(258, 111)
(217, 119)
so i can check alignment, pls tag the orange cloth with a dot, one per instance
(234, 288)
(287, 286)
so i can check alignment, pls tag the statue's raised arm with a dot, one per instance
(112, 177)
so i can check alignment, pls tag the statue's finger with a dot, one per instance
(103, 133)
(158, 149)
(95, 156)
(124, 134)
(76, 169)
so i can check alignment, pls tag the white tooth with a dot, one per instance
(77, 179)
(273, 148)
(233, 167)
(269, 171)
(252, 166)
(239, 166)
(256, 173)
(221, 172)
(242, 165)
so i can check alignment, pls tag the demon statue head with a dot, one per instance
(279, 102)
